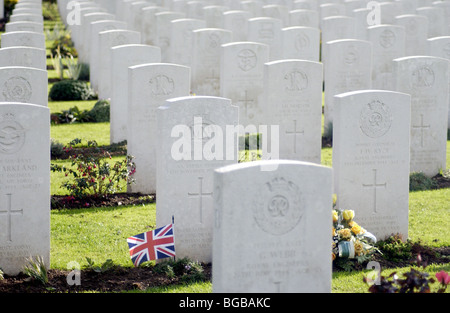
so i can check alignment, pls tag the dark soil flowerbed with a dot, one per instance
(140, 278)
(114, 280)
(112, 200)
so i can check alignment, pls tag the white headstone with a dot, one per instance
(24, 185)
(388, 43)
(349, 68)
(270, 231)
(23, 84)
(237, 23)
(300, 42)
(94, 53)
(85, 34)
(338, 27)
(213, 15)
(185, 173)
(266, 30)
(23, 38)
(253, 6)
(205, 66)
(148, 27)
(361, 22)
(440, 47)
(163, 31)
(371, 159)
(407, 6)
(436, 20)
(416, 33)
(38, 18)
(194, 9)
(388, 12)
(277, 11)
(426, 79)
(181, 40)
(122, 57)
(331, 9)
(303, 17)
(107, 40)
(293, 100)
(23, 56)
(24, 26)
(149, 86)
(241, 78)
(306, 5)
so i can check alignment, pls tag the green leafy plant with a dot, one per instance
(105, 266)
(56, 148)
(64, 44)
(73, 68)
(36, 269)
(187, 270)
(57, 62)
(395, 249)
(70, 89)
(100, 112)
(92, 174)
(71, 115)
(419, 181)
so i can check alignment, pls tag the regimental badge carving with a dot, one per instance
(17, 89)
(12, 134)
(351, 56)
(213, 43)
(387, 39)
(296, 81)
(277, 210)
(161, 86)
(301, 42)
(375, 119)
(199, 130)
(247, 60)
(423, 77)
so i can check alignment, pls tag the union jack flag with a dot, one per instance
(152, 245)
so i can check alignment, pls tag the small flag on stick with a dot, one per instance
(152, 245)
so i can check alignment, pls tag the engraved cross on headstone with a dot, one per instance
(295, 132)
(375, 185)
(422, 128)
(9, 212)
(246, 103)
(200, 195)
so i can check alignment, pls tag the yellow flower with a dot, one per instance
(359, 248)
(348, 215)
(345, 233)
(333, 231)
(334, 199)
(335, 216)
(356, 229)
(333, 256)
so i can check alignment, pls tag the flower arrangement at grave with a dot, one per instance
(350, 240)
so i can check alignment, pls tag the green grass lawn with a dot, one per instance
(100, 233)
(73, 231)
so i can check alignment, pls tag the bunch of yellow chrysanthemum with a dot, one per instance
(350, 240)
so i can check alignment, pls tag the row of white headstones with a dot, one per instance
(278, 210)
